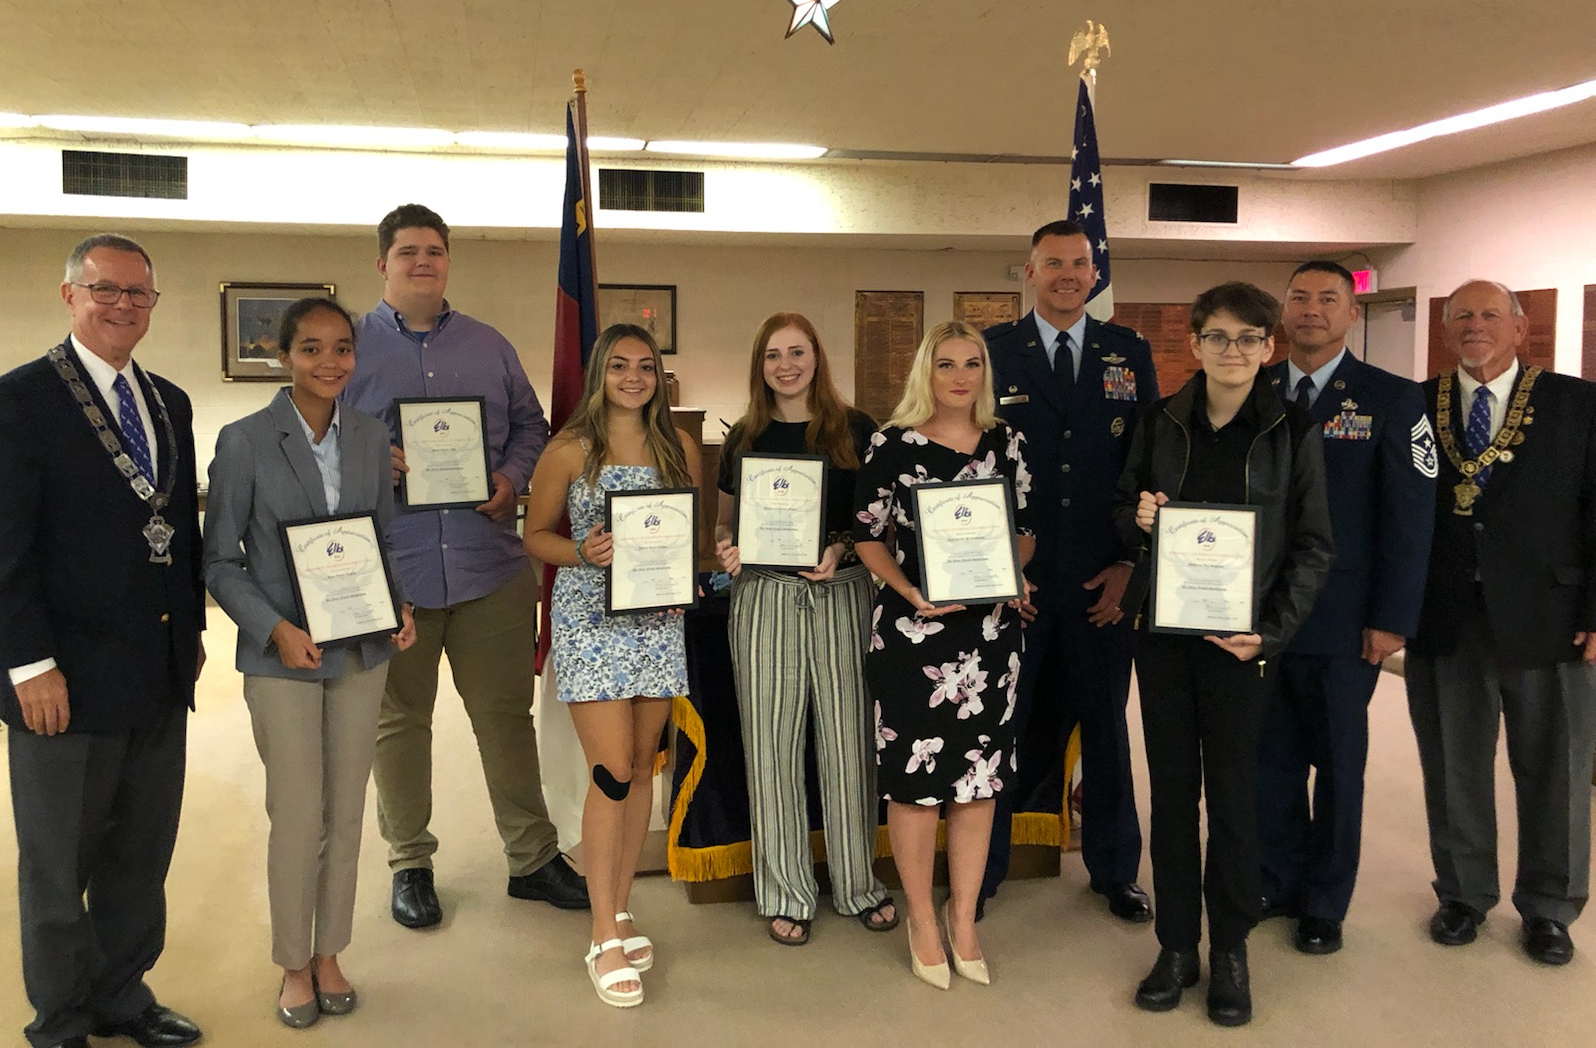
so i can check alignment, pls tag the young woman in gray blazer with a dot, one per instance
(314, 709)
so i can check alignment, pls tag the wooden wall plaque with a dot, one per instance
(984, 309)
(887, 328)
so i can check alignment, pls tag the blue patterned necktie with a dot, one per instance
(1478, 432)
(134, 439)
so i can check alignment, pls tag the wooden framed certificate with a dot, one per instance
(781, 511)
(969, 553)
(655, 566)
(446, 447)
(343, 583)
(1205, 558)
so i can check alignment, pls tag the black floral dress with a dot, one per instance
(943, 687)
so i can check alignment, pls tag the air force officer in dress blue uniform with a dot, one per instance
(1380, 465)
(1073, 385)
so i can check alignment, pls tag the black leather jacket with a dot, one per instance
(1285, 478)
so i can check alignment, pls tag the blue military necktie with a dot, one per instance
(134, 439)
(1304, 398)
(1064, 367)
(1477, 434)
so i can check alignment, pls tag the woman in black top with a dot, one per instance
(798, 641)
(1226, 437)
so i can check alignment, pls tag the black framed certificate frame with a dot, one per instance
(343, 582)
(1205, 560)
(780, 518)
(655, 547)
(969, 553)
(445, 440)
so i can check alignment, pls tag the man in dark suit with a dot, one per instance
(1072, 385)
(1380, 466)
(1508, 631)
(101, 608)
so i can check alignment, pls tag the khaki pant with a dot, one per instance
(316, 739)
(490, 642)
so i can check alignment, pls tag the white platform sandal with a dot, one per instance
(635, 943)
(605, 984)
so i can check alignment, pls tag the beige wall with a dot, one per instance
(723, 292)
(1528, 223)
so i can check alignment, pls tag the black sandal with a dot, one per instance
(797, 940)
(863, 916)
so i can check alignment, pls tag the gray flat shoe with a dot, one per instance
(299, 1016)
(336, 1003)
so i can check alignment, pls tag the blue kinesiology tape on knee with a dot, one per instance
(613, 788)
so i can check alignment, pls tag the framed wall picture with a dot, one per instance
(983, 309)
(250, 315)
(651, 307)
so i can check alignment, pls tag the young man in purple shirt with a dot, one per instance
(474, 589)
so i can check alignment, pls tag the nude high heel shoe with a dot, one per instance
(935, 974)
(976, 970)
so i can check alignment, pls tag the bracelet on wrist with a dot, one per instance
(581, 558)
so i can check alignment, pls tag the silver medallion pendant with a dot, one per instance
(158, 533)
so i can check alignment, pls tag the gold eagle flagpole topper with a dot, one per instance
(1091, 44)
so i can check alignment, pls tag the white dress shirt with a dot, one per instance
(1049, 333)
(1319, 378)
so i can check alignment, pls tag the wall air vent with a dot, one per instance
(630, 189)
(1167, 202)
(85, 173)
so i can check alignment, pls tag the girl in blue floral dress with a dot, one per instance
(943, 679)
(617, 673)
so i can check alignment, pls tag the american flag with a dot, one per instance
(1086, 201)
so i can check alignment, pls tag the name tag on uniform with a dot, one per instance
(1021, 399)
(1119, 383)
(1349, 426)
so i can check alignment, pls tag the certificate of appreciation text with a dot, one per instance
(968, 550)
(446, 450)
(343, 585)
(1204, 559)
(655, 565)
(781, 511)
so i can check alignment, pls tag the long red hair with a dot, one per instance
(828, 432)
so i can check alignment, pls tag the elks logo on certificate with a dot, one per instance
(655, 562)
(1204, 562)
(446, 452)
(781, 511)
(343, 584)
(969, 553)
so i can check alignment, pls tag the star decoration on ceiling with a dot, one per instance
(812, 12)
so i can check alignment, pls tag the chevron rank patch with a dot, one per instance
(1424, 459)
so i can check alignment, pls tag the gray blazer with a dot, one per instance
(264, 474)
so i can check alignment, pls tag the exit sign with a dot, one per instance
(1365, 281)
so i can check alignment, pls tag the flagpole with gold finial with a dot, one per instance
(1090, 43)
(579, 83)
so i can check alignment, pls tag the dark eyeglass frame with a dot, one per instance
(1219, 342)
(110, 294)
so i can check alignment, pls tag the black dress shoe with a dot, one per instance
(554, 883)
(415, 902)
(155, 1027)
(1229, 989)
(1174, 971)
(1318, 935)
(1127, 902)
(1547, 941)
(74, 1042)
(1455, 924)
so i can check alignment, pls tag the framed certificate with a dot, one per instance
(969, 553)
(781, 511)
(1204, 559)
(446, 447)
(343, 584)
(655, 566)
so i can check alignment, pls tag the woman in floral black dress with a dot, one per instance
(943, 679)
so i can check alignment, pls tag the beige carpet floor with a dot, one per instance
(503, 972)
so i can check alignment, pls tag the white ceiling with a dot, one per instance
(1256, 80)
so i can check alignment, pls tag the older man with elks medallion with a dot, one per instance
(1508, 630)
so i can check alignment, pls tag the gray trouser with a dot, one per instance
(1457, 703)
(96, 822)
(798, 650)
(316, 739)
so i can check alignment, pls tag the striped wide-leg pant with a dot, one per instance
(798, 646)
